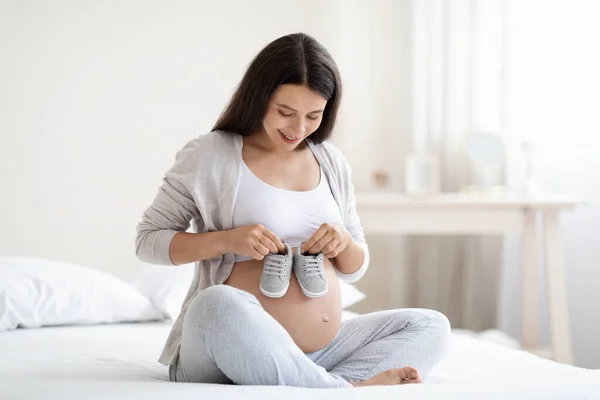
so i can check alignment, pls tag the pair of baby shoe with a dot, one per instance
(308, 268)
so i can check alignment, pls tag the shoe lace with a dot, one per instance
(275, 266)
(312, 267)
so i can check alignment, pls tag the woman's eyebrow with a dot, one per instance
(292, 109)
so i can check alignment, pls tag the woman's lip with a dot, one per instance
(286, 137)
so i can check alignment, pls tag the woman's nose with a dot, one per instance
(299, 128)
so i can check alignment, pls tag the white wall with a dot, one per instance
(96, 98)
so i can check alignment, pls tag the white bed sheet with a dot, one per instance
(119, 362)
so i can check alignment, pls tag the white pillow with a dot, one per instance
(350, 294)
(166, 287)
(36, 292)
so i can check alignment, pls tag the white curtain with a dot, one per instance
(458, 88)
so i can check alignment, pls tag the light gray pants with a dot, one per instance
(229, 338)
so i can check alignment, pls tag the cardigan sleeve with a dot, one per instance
(351, 218)
(171, 211)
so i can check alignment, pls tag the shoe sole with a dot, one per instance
(313, 295)
(310, 294)
(275, 295)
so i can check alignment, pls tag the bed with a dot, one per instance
(72, 332)
(118, 361)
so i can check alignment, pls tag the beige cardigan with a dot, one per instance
(201, 187)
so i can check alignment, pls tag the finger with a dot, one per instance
(263, 250)
(280, 248)
(268, 243)
(256, 255)
(333, 243)
(330, 255)
(334, 253)
(321, 243)
(322, 231)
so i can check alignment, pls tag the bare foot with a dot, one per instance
(396, 376)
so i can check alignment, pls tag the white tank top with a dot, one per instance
(292, 216)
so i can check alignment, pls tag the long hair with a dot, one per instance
(292, 59)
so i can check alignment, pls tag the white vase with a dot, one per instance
(532, 183)
(422, 174)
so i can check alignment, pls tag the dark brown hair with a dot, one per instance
(292, 59)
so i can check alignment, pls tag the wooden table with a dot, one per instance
(458, 214)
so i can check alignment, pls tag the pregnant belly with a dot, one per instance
(311, 322)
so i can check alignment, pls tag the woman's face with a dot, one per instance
(293, 113)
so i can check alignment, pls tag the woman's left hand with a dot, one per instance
(329, 239)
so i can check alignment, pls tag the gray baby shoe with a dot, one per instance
(310, 273)
(277, 269)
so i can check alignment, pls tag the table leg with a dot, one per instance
(530, 305)
(557, 291)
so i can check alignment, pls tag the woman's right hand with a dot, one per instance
(254, 241)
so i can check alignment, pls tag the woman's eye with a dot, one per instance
(291, 114)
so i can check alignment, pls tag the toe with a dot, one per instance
(412, 373)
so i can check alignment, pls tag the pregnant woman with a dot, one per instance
(276, 227)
